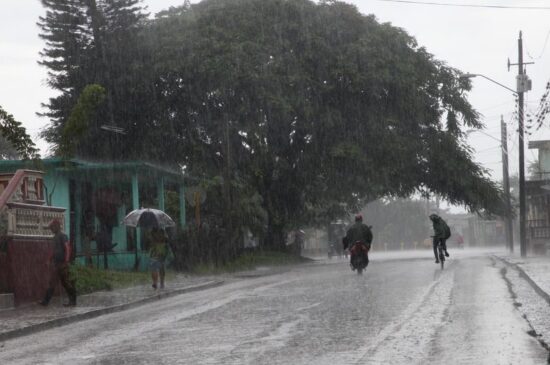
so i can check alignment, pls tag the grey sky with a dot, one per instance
(472, 39)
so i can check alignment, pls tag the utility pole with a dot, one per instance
(522, 228)
(523, 85)
(506, 185)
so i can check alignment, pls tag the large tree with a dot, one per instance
(320, 107)
(314, 107)
(96, 42)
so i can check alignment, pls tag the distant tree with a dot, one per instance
(7, 151)
(398, 220)
(14, 138)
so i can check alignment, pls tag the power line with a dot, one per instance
(468, 5)
(543, 48)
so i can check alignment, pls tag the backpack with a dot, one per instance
(447, 231)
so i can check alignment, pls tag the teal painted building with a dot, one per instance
(97, 196)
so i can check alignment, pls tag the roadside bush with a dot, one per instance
(90, 280)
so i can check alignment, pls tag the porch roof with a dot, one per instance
(87, 170)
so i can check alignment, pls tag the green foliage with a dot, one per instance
(97, 42)
(80, 119)
(89, 280)
(16, 135)
(7, 151)
(307, 110)
(322, 107)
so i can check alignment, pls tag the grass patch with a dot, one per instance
(249, 261)
(90, 280)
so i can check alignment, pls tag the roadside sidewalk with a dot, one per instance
(535, 269)
(31, 318)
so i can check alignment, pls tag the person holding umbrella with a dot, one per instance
(157, 255)
(156, 220)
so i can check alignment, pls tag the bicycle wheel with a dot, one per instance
(441, 257)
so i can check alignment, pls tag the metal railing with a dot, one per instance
(541, 232)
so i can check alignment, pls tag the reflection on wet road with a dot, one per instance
(399, 312)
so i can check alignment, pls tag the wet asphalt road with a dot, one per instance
(398, 312)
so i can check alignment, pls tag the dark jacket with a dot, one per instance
(439, 227)
(59, 240)
(358, 232)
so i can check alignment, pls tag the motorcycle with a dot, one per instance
(359, 257)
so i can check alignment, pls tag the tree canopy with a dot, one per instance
(14, 138)
(315, 107)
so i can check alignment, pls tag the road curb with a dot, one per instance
(527, 278)
(58, 322)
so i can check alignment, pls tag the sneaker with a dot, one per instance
(437, 261)
(446, 254)
(154, 286)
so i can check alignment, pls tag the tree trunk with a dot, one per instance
(275, 237)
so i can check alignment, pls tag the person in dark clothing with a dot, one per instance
(158, 253)
(441, 230)
(60, 258)
(358, 232)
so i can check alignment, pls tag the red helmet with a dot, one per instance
(358, 217)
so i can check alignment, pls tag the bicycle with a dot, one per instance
(440, 252)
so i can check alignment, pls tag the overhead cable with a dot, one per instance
(468, 5)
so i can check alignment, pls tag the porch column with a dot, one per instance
(135, 191)
(135, 205)
(160, 193)
(182, 206)
(78, 217)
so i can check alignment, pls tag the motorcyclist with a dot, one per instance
(358, 232)
(440, 235)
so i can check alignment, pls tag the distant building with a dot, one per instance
(537, 192)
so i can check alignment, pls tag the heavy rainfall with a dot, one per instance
(274, 182)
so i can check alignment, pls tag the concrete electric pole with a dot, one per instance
(506, 185)
(523, 85)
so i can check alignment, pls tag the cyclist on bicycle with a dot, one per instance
(441, 233)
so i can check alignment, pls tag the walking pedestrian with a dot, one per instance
(157, 254)
(60, 258)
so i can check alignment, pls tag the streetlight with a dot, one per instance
(471, 76)
(470, 131)
(522, 87)
(503, 141)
